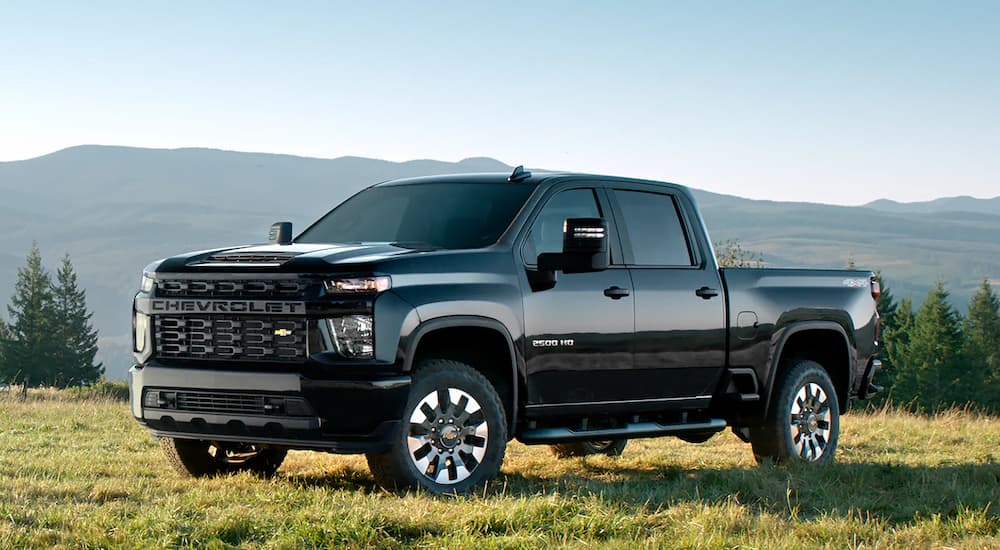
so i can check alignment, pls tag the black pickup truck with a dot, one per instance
(426, 322)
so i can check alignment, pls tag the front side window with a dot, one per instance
(547, 232)
(448, 215)
(653, 224)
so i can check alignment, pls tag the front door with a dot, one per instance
(578, 334)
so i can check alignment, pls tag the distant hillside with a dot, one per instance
(114, 209)
(947, 204)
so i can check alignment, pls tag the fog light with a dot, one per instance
(353, 336)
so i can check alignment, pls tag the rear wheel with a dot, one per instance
(609, 447)
(194, 458)
(803, 423)
(454, 432)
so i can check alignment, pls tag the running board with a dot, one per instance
(628, 431)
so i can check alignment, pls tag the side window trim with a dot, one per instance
(694, 248)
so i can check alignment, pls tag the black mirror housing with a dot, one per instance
(585, 248)
(281, 233)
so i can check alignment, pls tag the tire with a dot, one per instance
(453, 436)
(194, 458)
(609, 447)
(803, 423)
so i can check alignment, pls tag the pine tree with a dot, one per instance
(982, 345)
(886, 304)
(886, 307)
(895, 342)
(28, 353)
(4, 375)
(932, 372)
(74, 336)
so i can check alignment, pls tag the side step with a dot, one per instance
(628, 431)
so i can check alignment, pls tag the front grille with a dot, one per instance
(279, 339)
(264, 289)
(220, 403)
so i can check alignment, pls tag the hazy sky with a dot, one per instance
(835, 102)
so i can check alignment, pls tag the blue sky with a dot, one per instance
(839, 102)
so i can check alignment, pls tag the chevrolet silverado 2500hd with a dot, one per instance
(426, 322)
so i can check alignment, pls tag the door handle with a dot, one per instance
(707, 293)
(616, 292)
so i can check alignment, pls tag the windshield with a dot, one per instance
(424, 215)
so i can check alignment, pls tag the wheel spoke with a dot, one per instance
(419, 430)
(475, 440)
(423, 451)
(463, 402)
(429, 413)
(468, 459)
(444, 401)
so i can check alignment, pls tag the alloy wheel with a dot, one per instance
(810, 422)
(447, 437)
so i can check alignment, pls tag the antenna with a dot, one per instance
(519, 174)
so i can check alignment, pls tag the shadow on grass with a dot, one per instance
(897, 493)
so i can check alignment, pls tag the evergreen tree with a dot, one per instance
(4, 375)
(982, 345)
(895, 342)
(29, 353)
(75, 338)
(932, 373)
(886, 304)
(886, 307)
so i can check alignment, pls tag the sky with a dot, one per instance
(836, 102)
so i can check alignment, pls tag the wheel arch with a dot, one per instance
(468, 338)
(826, 343)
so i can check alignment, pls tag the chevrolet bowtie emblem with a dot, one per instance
(282, 332)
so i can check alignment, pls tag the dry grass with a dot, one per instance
(82, 473)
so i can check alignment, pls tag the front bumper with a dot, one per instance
(274, 408)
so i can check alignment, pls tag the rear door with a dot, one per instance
(679, 302)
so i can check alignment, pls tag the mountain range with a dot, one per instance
(114, 209)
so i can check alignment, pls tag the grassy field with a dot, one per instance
(83, 474)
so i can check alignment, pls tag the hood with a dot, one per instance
(294, 257)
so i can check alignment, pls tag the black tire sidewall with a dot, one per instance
(438, 374)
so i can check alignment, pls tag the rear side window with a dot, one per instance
(547, 232)
(653, 224)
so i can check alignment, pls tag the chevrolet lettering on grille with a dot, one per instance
(227, 306)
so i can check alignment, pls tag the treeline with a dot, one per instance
(48, 338)
(934, 357)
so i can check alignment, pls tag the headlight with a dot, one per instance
(353, 336)
(147, 283)
(362, 284)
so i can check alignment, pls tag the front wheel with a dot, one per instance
(453, 436)
(803, 423)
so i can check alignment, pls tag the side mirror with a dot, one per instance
(585, 248)
(281, 233)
